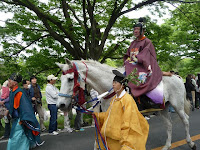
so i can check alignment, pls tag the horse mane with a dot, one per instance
(94, 62)
(97, 64)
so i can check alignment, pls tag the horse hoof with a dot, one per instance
(194, 147)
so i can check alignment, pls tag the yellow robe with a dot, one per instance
(122, 125)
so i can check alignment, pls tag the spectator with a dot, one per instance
(25, 132)
(0, 89)
(51, 98)
(4, 100)
(78, 119)
(1, 127)
(78, 122)
(194, 91)
(36, 97)
(197, 90)
(189, 88)
(172, 72)
(26, 87)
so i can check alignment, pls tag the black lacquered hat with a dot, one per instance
(119, 77)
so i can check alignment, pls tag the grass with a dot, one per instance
(2, 129)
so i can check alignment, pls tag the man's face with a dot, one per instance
(53, 81)
(136, 32)
(28, 82)
(11, 83)
(26, 85)
(34, 81)
(116, 86)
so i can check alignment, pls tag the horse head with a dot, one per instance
(67, 84)
(70, 82)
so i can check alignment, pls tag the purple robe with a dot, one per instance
(148, 70)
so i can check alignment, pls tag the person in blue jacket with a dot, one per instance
(25, 131)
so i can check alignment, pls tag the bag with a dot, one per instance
(2, 111)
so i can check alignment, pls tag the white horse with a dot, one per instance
(99, 77)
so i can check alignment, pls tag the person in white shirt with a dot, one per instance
(51, 98)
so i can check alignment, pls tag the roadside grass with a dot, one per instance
(2, 129)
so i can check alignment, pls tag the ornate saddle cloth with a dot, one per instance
(156, 95)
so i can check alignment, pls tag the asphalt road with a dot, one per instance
(157, 136)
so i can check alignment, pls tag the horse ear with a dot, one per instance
(60, 65)
(68, 62)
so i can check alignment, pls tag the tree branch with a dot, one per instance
(87, 42)
(183, 1)
(76, 51)
(144, 3)
(45, 17)
(139, 5)
(185, 16)
(94, 30)
(8, 2)
(75, 16)
(45, 70)
(108, 54)
(61, 40)
(113, 18)
(17, 53)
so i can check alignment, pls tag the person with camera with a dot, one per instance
(51, 98)
(36, 97)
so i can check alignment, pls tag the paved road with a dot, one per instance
(84, 140)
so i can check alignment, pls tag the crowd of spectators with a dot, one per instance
(33, 91)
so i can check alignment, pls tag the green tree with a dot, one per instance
(75, 29)
(185, 37)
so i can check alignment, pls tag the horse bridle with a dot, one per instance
(74, 70)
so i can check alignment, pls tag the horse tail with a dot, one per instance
(187, 105)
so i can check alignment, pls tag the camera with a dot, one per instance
(38, 101)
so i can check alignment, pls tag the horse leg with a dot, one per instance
(167, 119)
(95, 145)
(185, 119)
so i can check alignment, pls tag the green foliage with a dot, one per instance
(184, 39)
(133, 77)
(40, 34)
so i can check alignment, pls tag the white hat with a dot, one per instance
(51, 77)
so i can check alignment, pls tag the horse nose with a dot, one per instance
(62, 105)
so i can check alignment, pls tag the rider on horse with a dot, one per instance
(142, 56)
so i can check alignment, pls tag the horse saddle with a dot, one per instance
(144, 102)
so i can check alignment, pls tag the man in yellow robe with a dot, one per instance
(122, 126)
